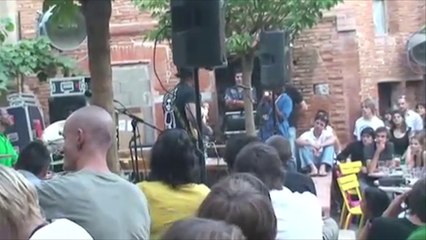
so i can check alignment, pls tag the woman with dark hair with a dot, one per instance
(399, 133)
(355, 150)
(8, 155)
(375, 201)
(171, 192)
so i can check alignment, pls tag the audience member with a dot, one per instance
(294, 211)
(8, 155)
(239, 202)
(419, 234)
(389, 226)
(375, 201)
(355, 150)
(399, 133)
(20, 214)
(239, 179)
(316, 147)
(34, 161)
(199, 228)
(172, 191)
(294, 181)
(233, 147)
(421, 110)
(380, 151)
(415, 156)
(412, 119)
(369, 118)
(105, 204)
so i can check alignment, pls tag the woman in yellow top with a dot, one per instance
(172, 193)
(8, 155)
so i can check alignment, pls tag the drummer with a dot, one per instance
(8, 155)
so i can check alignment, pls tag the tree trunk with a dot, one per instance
(97, 15)
(247, 67)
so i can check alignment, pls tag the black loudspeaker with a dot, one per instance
(198, 33)
(274, 59)
(61, 107)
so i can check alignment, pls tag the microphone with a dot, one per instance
(88, 93)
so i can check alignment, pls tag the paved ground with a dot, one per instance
(323, 186)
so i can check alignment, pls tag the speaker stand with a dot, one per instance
(202, 160)
(274, 113)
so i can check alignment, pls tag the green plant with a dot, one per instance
(6, 26)
(244, 21)
(31, 57)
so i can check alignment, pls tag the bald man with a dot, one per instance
(106, 205)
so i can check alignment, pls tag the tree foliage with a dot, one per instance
(29, 57)
(245, 19)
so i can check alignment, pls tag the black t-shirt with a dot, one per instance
(400, 144)
(184, 94)
(355, 150)
(391, 228)
(297, 97)
(298, 182)
(386, 155)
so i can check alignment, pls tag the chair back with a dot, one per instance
(349, 186)
(349, 168)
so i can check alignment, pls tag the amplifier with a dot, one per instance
(68, 86)
(28, 125)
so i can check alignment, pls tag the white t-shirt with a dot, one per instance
(299, 215)
(310, 136)
(362, 123)
(413, 120)
(61, 229)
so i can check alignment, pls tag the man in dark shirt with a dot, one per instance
(355, 150)
(298, 104)
(380, 150)
(294, 181)
(185, 111)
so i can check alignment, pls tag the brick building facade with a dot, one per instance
(344, 52)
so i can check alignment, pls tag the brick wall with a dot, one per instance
(342, 51)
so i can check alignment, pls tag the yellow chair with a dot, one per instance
(348, 185)
(350, 168)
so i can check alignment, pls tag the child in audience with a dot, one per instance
(171, 191)
(199, 228)
(243, 204)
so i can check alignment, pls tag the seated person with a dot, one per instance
(390, 226)
(201, 228)
(316, 147)
(416, 153)
(354, 151)
(379, 151)
(33, 162)
(234, 96)
(337, 145)
(294, 181)
(102, 202)
(172, 192)
(21, 216)
(241, 202)
(419, 234)
(234, 146)
(264, 162)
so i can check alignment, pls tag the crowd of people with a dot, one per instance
(261, 198)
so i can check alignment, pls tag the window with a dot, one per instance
(380, 17)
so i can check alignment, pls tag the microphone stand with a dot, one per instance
(134, 123)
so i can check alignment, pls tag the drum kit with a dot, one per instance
(54, 140)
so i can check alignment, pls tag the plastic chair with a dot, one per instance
(348, 185)
(349, 168)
